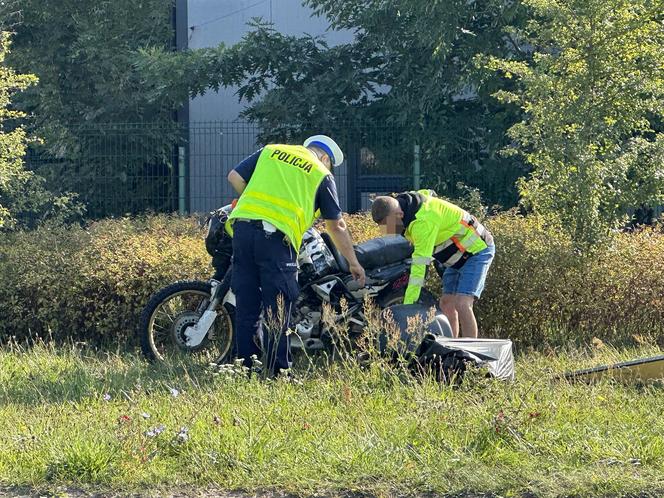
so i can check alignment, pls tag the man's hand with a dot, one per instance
(358, 273)
(342, 241)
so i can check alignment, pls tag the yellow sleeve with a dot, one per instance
(423, 237)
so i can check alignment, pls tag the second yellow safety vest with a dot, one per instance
(443, 231)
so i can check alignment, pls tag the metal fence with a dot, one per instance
(119, 169)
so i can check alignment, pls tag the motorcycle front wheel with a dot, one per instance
(171, 310)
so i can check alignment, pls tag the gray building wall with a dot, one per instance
(218, 138)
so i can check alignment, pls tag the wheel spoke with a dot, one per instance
(163, 310)
(174, 305)
(161, 338)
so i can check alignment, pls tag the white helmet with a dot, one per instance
(327, 145)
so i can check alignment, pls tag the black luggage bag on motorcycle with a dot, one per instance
(218, 243)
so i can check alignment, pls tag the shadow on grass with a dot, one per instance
(32, 377)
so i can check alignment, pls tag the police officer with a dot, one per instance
(281, 187)
(445, 233)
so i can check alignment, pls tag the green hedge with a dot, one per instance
(542, 289)
(90, 284)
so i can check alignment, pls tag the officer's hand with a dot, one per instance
(358, 273)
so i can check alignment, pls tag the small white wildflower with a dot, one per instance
(183, 434)
(145, 415)
(155, 431)
(174, 392)
(107, 397)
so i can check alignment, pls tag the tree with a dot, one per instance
(23, 200)
(592, 98)
(12, 143)
(410, 69)
(10, 13)
(83, 52)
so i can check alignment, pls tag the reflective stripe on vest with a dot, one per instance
(468, 234)
(417, 281)
(282, 190)
(422, 260)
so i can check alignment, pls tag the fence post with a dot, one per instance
(416, 166)
(182, 181)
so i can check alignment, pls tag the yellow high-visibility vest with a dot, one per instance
(282, 190)
(437, 226)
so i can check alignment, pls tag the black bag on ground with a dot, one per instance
(447, 365)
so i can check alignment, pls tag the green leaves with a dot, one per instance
(409, 69)
(24, 202)
(13, 141)
(83, 54)
(592, 97)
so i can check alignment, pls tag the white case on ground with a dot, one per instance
(502, 368)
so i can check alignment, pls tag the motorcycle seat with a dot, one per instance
(374, 253)
(383, 251)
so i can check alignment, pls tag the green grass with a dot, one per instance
(341, 429)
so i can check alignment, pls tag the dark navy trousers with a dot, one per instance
(264, 267)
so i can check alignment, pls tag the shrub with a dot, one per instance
(91, 283)
(540, 284)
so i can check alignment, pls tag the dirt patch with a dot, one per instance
(66, 492)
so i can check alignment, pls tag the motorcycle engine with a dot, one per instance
(315, 259)
(306, 322)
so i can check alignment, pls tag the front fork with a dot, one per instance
(195, 334)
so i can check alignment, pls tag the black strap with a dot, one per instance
(447, 253)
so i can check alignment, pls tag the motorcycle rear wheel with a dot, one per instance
(396, 297)
(170, 311)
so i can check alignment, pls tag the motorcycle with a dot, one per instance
(197, 317)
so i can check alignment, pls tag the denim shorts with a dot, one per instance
(469, 279)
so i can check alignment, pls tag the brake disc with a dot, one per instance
(182, 321)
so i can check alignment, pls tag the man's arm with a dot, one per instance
(424, 240)
(241, 174)
(327, 201)
(236, 180)
(342, 240)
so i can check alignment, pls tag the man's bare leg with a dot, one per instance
(448, 307)
(464, 309)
